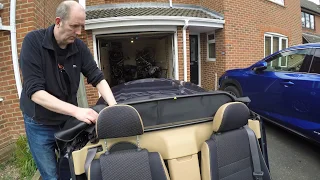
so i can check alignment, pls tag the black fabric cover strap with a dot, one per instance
(257, 173)
(90, 156)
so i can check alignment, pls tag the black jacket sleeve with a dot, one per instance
(89, 67)
(30, 61)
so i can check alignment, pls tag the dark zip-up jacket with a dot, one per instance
(40, 72)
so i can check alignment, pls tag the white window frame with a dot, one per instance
(280, 2)
(281, 37)
(211, 42)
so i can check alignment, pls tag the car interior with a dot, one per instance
(223, 141)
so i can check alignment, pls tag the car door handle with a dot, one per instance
(287, 83)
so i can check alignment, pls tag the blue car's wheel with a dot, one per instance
(232, 90)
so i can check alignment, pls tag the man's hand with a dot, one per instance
(50, 102)
(86, 115)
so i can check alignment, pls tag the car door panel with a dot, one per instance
(306, 107)
(275, 91)
(267, 95)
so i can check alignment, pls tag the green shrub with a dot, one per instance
(23, 158)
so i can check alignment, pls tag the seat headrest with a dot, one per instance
(119, 121)
(231, 116)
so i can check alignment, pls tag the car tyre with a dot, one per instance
(232, 90)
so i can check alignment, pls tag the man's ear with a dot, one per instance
(58, 21)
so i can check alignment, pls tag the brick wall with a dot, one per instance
(30, 15)
(216, 5)
(242, 38)
(246, 24)
(211, 69)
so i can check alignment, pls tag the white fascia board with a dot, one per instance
(205, 24)
(149, 21)
(134, 29)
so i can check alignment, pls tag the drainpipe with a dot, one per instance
(170, 2)
(14, 51)
(184, 34)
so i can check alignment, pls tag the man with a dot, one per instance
(51, 62)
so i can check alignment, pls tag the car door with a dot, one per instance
(274, 88)
(306, 105)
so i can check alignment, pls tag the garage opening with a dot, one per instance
(132, 56)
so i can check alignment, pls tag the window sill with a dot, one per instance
(211, 59)
(1, 99)
(308, 29)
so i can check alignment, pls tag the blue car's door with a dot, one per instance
(273, 90)
(306, 106)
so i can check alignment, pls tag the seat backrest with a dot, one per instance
(227, 154)
(124, 160)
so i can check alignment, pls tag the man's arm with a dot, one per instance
(105, 91)
(95, 76)
(52, 103)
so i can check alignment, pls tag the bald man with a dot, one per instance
(52, 60)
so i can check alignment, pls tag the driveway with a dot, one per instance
(291, 157)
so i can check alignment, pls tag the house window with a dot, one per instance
(211, 47)
(273, 43)
(307, 20)
(281, 2)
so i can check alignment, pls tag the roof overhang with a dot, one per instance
(152, 21)
(311, 38)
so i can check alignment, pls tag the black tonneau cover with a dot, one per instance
(181, 109)
(166, 101)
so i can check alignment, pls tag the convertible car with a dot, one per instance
(166, 129)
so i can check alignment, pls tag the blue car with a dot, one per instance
(284, 88)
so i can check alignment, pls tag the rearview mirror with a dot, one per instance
(260, 66)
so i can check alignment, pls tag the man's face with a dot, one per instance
(70, 28)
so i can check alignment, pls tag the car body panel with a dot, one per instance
(288, 98)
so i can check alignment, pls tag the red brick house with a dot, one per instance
(191, 40)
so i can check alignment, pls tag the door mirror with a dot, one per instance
(260, 66)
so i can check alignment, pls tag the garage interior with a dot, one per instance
(132, 56)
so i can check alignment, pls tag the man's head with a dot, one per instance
(70, 18)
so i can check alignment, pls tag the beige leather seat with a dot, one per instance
(232, 152)
(123, 160)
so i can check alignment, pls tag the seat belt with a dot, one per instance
(90, 156)
(257, 173)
